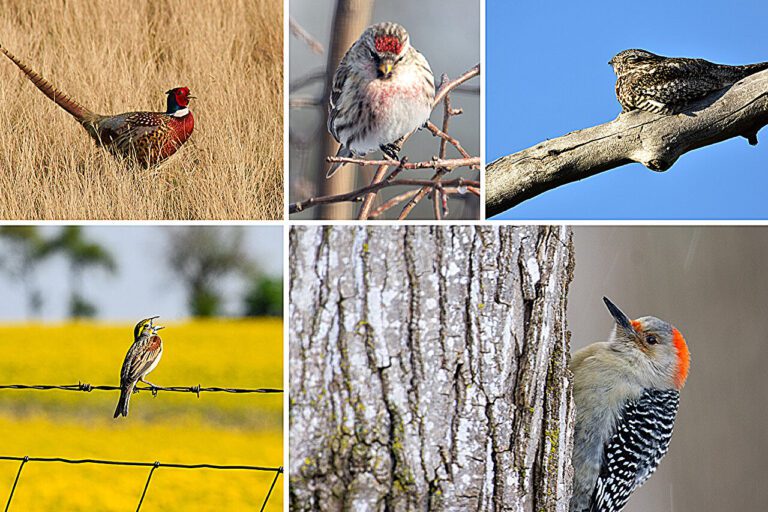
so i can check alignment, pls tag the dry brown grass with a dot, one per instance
(115, 56)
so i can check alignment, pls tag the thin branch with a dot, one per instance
(391, 203)
(437, 132)
(301, 33)
(652, 140)
(357, 195)
(308, 79)
(435, 163)
(448, 112)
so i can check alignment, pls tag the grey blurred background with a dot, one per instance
(51, 273)
(711, 283)
(447, 32)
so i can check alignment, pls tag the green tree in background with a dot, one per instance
(83, 255)
(26, 249)
(264, 297)
(202, 257)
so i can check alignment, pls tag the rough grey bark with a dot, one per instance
(652, 140)
(429, 368)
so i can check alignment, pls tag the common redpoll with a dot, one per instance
(382, 90)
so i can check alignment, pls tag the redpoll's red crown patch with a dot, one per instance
(388, 44)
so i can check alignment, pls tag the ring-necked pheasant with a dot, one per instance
(149, 137)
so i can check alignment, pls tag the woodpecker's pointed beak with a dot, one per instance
(621, 319)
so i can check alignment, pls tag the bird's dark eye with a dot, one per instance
(651, 339)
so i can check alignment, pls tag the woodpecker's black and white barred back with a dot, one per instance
(665, 85)
(633, 453)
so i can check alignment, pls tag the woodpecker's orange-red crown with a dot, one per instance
(683, 358)
(683, 355)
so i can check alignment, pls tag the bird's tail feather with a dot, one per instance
(755, 68)
(342, 152)
(77, 111)
(122, 403)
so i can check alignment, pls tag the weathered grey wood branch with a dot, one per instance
(429, 368)
(652, 140)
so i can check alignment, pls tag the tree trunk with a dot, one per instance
(429, 368)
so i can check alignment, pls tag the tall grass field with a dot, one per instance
(114, 56)
(216, 428)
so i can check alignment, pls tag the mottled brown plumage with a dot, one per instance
(147, 137)
(665, 85)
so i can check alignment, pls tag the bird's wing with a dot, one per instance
(337, 89)
(675, 85)
(134, 130)
(139, 359)
(634, 451)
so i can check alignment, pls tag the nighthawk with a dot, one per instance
(665, 85)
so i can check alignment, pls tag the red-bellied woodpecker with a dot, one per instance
(626, 391)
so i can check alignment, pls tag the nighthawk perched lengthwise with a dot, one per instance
(665, 85)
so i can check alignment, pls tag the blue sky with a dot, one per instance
(547, 75)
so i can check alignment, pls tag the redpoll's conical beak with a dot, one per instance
(385, 68)
(621, 319)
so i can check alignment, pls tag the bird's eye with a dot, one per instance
(651, 339)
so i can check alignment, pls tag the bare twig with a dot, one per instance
(438, 205)
(392, 203)
(308, 79)
(357, 195)
(435, 163)
(652, 140)
(301, 33)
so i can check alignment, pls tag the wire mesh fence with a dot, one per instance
(85, 387)
(152, 465)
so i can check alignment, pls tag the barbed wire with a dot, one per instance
(153, 465)
(84, 386)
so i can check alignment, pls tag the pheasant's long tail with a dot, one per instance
(77, 111)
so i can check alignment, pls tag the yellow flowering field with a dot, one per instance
(216, 428)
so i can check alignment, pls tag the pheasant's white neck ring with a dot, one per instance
(181, 112)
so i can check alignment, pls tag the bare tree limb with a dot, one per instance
(652, 140)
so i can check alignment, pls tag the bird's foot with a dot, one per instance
(153, 387)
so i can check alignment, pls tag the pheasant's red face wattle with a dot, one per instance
(182, 96)
(388, 44)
